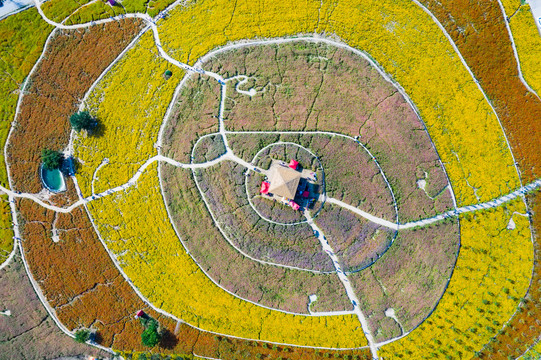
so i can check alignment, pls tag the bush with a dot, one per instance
(51, 159)
(151, 336)
(82, 336)
(82, 120)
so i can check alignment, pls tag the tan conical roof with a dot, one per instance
(284, 181)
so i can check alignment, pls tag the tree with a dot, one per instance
(82, 120)
(151, 336)
(51, 159)
(82, 335)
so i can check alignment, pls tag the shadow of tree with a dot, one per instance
(168, 340)
(98, 131)
(96, 337)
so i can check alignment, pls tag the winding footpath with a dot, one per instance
(345, 281)
(232, 157)
(451, 213)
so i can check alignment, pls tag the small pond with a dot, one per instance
(53, 180)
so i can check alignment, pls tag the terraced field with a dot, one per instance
(346, 179)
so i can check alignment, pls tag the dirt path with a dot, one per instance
(347, 286)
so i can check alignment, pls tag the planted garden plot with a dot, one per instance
(409, 278)
(517, 108)
(224, 189)
(78, 279)
(269, 285)
(497, 260)
(26, 329)
(528, 43)
(295, 83)
(194, 114)
(524, 325)
(55, 90)
(130, 102)
(358, 243)
(84, 288)
(209, 148)
(351, 174)
(290, 189)
(26, 32)
(168, 275)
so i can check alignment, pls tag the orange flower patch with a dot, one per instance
(478, 29)
(59, 83)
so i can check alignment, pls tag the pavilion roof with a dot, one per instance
(284, 181)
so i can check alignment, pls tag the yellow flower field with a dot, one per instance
(492, 274)
(130, 102)
(409, 46)
(102, 9)
(94, 11)
(6, 230)
(58, 10)
(406, 43)
(155, 260)
(528, 44)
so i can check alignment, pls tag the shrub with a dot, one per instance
(82, 120)
(82, 336)
(51, 159)
(151, 336)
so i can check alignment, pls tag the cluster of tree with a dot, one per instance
(81, 120)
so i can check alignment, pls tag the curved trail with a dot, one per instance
(451, 213)
(147, 19)
(515, 52)
(251, 203)
(345, 282)
(250, 167)
(231, 157)
(229, 154)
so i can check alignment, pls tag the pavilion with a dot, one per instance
(283, 182)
